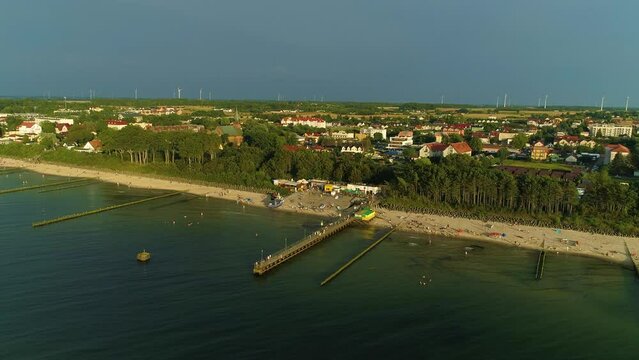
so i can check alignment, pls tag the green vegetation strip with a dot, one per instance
(89, 182)
(25, 188)
(96, 211)
(345, 266)
(536, 165)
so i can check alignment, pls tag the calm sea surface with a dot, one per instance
(73, 290)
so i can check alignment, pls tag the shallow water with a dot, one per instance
(73, 290)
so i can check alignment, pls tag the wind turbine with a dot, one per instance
(627, 99)
(136, 93)
(505, 99)
(179, 92)
(545, 101)
(602, 103)
(200, 94)
(497, 102)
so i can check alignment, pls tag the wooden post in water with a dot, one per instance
(96, 211)
(345, 266)
(25, 188)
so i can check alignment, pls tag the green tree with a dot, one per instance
(621, 166)
(519, 141)
(476, 145)
(48, 127)
(79, 135)
(48, 140)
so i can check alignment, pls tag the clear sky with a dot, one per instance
(470, 51)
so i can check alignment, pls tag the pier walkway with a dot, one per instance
(289, 252)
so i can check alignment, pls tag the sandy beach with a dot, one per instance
(608, 248)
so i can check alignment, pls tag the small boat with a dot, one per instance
(143, 256)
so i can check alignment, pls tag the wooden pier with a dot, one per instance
(345, 266)
(297, 248)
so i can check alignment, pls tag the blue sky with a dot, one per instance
(470, 51)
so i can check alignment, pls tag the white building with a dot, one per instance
(304, 121)
(609, 130)
(352, 149)
(342, 135)
(371, 131)
(29, 128)
(612, 150)
(402, 140)
(116, 124)
(363, 188)
(41, 119)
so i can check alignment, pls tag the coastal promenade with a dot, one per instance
(273, 260)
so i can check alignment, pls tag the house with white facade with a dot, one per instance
(29, 128)
(614, 150)
(371, 131)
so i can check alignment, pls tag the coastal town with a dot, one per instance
(561, 145)
(576, 139)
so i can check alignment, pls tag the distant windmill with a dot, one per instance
(505, 99)
(200, 94)
(136, 93)
(545, 101)
(497, 102)
(210, 96)
(179, 92)
(602, 103)
(442, 102)
(627, 100)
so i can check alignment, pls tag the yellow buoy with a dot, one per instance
(144, 256)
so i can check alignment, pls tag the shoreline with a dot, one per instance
(571, 242)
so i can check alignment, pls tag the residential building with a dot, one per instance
(342, 135)
(371, 131)
(93, 146)
(29, 128)
(402, 140)
(567, 140)
(609, 130)
(62, 128)
(116, 124)
(304, 121)
(455, 129)
(612, 150)
(442, 150)
(539, 151)
(352, 149)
